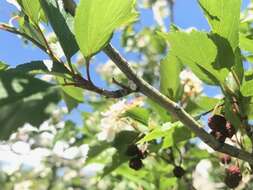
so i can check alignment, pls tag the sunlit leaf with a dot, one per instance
(3, 66)
(224, 18)
(139, 114)
(32, 9)
(96, 20)
(247, 88)
(196, 50)
(170, 68)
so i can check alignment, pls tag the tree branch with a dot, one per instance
(81, 82)
(169, 105)
(174, 108)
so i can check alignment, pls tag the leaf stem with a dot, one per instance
(49, 51)
(88, 69)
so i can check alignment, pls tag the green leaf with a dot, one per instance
(24, 99)
(170, 68)
(249, 110)
(177, 134)
(32, 9)
(224, 18)
(157, 133)
(3, 66)
(97, 149)
(201, 104)
(96, 20)
(225, 54)
(246, 43)
(121, 142)
(196, 153)
(139, 114)
(167, 182)
(134, 176)
(117, 161)
(40, 67)
(123, 139)
(162, 113)
(61, 28)
(70, 102)
(238, 67)
(72, 95)
(196, 50)
(247, 88)
(171, 132)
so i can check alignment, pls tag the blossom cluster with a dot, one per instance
(112, 121)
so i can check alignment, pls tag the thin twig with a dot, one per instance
(50, 52)
(120, 84)
(13, 30)
(80, 82)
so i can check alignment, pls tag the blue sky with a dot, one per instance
(13, 51)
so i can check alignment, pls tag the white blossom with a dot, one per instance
(143, 41)
(108, 69)
(34, 160)
(91, 169)
(192, 84)
(112, 122)
(59, 147)
(45, 139)
(55, 45)
(9, 161)
(58, 115)
(47, 126)
(21, 147)
(201, 178)
(160, 10)
(84, 149)
(63, 150)
(69, 174)
(145, 3)
(23, 185)
(23, 133)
